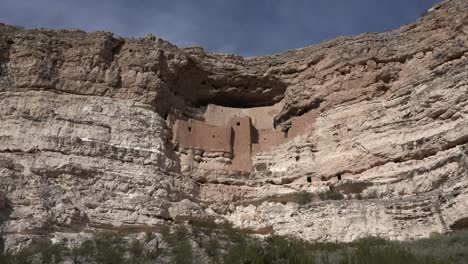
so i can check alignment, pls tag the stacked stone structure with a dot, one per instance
(238, 132)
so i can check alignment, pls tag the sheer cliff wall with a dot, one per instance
(375, 134)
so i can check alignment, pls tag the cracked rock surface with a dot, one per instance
(84, 145)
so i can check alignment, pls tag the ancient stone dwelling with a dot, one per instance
(232, 136)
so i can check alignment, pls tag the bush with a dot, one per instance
(452, 247)
(109, 249)
(149, 236)
(179, 242)
(53, 254)
(305, 197)
(331, 195)
(226, 244)
(384, 252)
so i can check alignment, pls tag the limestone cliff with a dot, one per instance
(361, 136)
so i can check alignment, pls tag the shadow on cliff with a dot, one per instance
(5, 212)
(195, 84)
(460, 224)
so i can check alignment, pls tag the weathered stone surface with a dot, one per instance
(363, 136)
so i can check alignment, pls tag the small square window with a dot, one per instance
(190, 129)
(238, 123)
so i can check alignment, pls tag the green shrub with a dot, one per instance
(108, 248)
(452, 247)
(212, 247)
(182, 252)
(305, 197)
(388, 253)
(331, 195)
(53, 254)
(149, 236)
(179, 242)
(234, 246)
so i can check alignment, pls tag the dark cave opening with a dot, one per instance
(238, 101)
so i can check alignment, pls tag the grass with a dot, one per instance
(213, 243)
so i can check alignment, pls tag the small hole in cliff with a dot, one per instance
(286, 132)
(238, 124)
(190, 129)
(309, 178)
(213, 136)
(338, 177)
(298, 158)
(130, 50)
(10, 42)
(203, 82)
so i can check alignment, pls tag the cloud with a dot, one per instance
(242, 26)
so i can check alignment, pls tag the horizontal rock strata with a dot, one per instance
(370, 134)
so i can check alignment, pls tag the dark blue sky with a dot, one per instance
(246, 27)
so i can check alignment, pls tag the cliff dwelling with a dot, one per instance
(227, 138)
(361, 136)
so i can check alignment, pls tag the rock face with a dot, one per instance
(353, 137)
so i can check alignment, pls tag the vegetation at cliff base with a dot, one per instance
(210, 243)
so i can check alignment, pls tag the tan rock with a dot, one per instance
(353, 137)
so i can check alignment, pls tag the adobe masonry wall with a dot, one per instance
(265, 140)
(262, 117)
(199, 135)
(232, 130)
(235, 138)
(242, 143)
